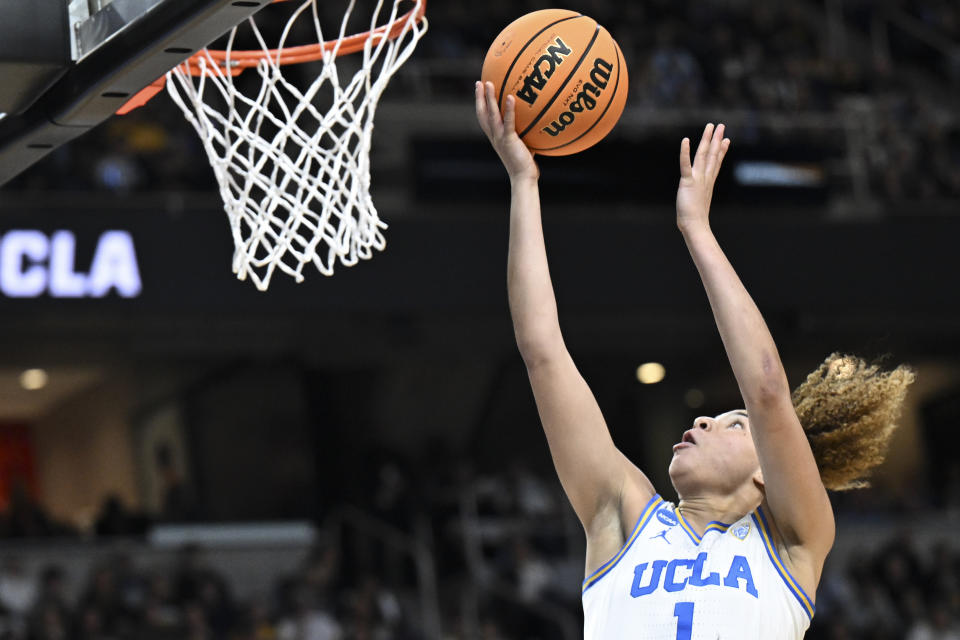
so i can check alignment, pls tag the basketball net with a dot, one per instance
(295, 176)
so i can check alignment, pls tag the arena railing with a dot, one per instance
(349, 521)
(485, 584)
(896, 19)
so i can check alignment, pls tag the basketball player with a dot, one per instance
(739, 556)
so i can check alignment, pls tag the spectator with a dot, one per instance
(938, 626)
(51, 614)
(162, 618)
(18, 594)
(25, 518)
(179, 504)
(311, 618)
(673, 75)
(101, 608)
(115, 520)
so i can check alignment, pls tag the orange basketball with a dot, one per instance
(567, 74)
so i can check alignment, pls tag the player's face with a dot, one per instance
(715, 454)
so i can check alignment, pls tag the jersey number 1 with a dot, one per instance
(683, 612)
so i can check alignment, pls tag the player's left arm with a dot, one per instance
(795, 495)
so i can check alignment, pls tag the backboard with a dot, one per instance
(67, 65)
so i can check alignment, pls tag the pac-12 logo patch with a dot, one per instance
(741, 531)
(667, 517)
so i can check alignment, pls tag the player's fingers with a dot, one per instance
(483, 112)
(510, 115)
(481, 106)
(724, 147)
(713, 154)
(493, 109)
(685, 169)
(700, 159)
(485, 104)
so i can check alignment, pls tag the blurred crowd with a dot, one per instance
(732, 54)
(684, 56)
(778, 57)
(891, 593)
(915, 152)
(189, 600)
(718, 54)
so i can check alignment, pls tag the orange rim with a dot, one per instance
(245, 59)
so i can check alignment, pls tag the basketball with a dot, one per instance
(567, 74)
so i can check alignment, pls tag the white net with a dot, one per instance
(292, 159)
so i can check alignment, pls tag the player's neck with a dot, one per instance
(701, 510)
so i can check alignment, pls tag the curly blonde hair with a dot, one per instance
(849, 409)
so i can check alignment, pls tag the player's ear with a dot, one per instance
(758, 478)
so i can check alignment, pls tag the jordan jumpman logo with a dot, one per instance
(662, 534)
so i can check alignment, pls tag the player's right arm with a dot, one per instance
(601, 484)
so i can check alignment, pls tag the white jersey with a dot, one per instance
(667, 583)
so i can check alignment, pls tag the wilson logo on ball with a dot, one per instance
(600, 76)
(543, 69)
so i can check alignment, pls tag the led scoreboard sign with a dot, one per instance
(36, 263)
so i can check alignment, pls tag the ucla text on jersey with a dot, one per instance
(671, 580)
(672, 583)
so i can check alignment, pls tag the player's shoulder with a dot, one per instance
(609, 532)
(612, 538)
(798, 566)
(636, 496)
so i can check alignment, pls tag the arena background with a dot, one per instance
(360, 456)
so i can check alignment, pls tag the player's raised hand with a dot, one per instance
(515, 155)
(697, 179)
